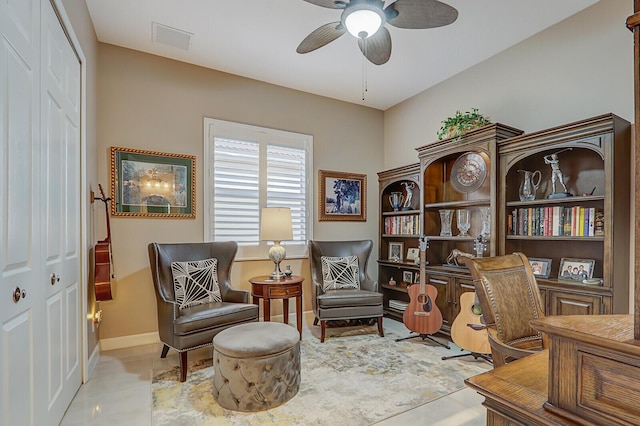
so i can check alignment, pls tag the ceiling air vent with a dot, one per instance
(173, 37)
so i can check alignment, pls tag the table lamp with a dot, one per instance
(275, 225)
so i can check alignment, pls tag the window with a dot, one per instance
(247, 168)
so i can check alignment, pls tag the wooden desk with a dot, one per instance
(516, 393)
(589, 376)
(265, 288)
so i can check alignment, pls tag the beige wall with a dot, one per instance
(579, 68)
(78, 15)
(152, 103)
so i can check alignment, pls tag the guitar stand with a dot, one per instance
(475, 355)
(423, 337)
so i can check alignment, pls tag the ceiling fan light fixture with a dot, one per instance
(362, 20)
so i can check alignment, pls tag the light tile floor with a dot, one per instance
(119, 391)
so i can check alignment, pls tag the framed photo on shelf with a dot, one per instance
(343, 196)
(407, 277)
(413, 255)
(395, 251)
(541, 267)
(152, 184)
(576, 269)
(416, 278)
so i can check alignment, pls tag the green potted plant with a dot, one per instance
(461, 123)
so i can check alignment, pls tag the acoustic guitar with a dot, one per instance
(103, 260)
(468, 330)
(422, 314)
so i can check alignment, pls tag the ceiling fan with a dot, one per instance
(365, 20)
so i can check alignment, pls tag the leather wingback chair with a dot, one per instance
(195, 326)
(510, 298)
(344, 304)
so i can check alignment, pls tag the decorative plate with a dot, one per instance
(468, 172)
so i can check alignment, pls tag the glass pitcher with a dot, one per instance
(529, 185)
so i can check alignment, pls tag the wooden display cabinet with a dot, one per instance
(401, 227)
(458, 173)
(594, 159)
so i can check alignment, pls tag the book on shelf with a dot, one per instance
(402, 225)
(553, 221)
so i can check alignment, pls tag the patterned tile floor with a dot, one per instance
(119, 391)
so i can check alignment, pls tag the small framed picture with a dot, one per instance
(396, 251)
(413, 254)
(416, 278)
(576, 269)
(541, 267)
(407, 277)
(343, 196)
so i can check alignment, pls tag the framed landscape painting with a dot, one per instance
(152, 184)
(342, 196)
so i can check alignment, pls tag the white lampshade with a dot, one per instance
(275, 224)
(363, 22)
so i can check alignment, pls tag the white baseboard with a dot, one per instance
(92, 362)
(129, 341)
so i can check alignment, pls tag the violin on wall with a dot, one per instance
(103, 260)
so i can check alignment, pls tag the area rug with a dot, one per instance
(351, 379)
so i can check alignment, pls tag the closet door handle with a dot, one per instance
(17, 294)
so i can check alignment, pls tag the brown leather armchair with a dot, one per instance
(510, 298)
(195, 326)
(344, 304)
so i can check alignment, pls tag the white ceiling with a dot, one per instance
(258, 39)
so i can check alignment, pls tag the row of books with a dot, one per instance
(402, 225)
(575, 221)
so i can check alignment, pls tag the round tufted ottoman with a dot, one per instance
(256, 366)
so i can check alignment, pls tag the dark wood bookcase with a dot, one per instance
(398, 227)
(441, 163)
(595, 160)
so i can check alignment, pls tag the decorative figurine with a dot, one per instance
(392, 282)
(409, 195)
(556, 175)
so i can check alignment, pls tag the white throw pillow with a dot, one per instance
(340, 272)
(196, 282)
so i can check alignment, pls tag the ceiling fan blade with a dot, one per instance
(377, 48)
(420, 14)
(321, 37)
(331, 4)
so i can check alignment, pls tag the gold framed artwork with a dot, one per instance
(342, 196)
(152, 184)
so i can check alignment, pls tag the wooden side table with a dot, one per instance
(265, 288)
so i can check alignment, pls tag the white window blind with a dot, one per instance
(250, 168)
